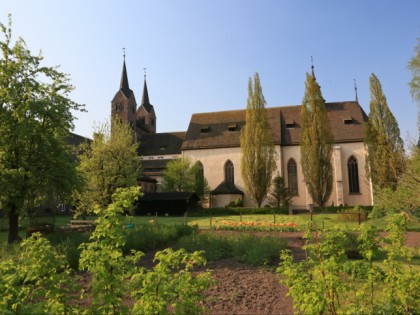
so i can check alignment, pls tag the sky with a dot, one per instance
(199, 54)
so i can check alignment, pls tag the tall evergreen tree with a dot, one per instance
(258, 155)
(316, 143)
(35, 120)
(279, 195)
(385, 158)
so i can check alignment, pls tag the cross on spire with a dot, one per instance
(312, 67)
(355, 90)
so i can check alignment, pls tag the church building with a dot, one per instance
(213, 140)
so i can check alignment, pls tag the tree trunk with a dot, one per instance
(13, 225)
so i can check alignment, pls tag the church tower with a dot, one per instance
(146, 117)
(123, 105)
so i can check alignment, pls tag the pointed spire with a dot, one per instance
(145, 98)
(124, 87)
(312, 67)
(355, 90)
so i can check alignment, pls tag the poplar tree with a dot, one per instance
(36, 117)
(258, 160)
(316, 143)
(385, 161)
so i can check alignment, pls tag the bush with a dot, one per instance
(148, 237)
(243, 211)
(250, 249)
(377, 212)
(352, 214)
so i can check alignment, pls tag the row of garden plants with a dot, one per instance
(382, 280)
(255, 226)
(37, 279)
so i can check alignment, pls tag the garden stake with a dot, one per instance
(156, 219)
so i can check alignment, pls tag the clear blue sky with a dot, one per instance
(199, 54)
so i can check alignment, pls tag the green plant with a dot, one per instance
(215, 247)
(171, 287)
(328, 282)
(35, 280)
(103, 256)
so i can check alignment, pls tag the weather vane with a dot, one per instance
(144, 69)
(124, 52)
(355, 89)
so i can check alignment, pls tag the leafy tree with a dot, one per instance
(414, 66)
(108, 162)
(258, 160)
(385, 158)
(406, 196)
(279, 195)
(180, 175)
(36, 117)
(316, 143)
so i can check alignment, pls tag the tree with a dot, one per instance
(385, 158)
(258, 160)
(414, 67)
(36, 117)
(316, 143)
(180, 176)
(108, 162)
(279, 195)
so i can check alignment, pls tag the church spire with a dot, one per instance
(124, 87)
(145, 98)
(312, 67)
(355, 90)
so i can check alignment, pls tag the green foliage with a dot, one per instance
(385, 161)
(377, 212)
(36, 116)
(352, 214)
(155, 236)
(238, 203)
(406, 196)
(36, 280)
(250, 249)
(171, 288)
(180, 175)
(258, 160)
(316, 143)
(110, 161)
(327, 282)
(103, 255)
(279, 195)
(414, 67)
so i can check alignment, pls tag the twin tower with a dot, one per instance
(124, 107)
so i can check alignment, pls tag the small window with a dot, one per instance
(205, 129)
(233, 127)
(290, 123)
(348, 120)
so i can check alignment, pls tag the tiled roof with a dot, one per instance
(155, 164)
(161, 143)
(212, 130)
(76, 140)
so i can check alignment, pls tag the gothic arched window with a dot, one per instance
(353, 172)
(292, 177)
(229, 172)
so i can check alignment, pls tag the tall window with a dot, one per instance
(292, 177)
(229, 172)
(353, 172)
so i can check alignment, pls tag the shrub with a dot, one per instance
(352, 214)
(377, 212)
(215, 247)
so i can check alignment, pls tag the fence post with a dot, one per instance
(240, 215)
(211, 216)
(156, 219)
(186, 218)
(359, 217)
(274, 215)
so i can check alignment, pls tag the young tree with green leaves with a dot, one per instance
(316, 143)
(36, 117)
(108, 162)
(279, 195)
(183, 176)
(385, 161)
(414, 67)
(258, 161)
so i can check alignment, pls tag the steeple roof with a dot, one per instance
(124, 87)
(145, 98)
